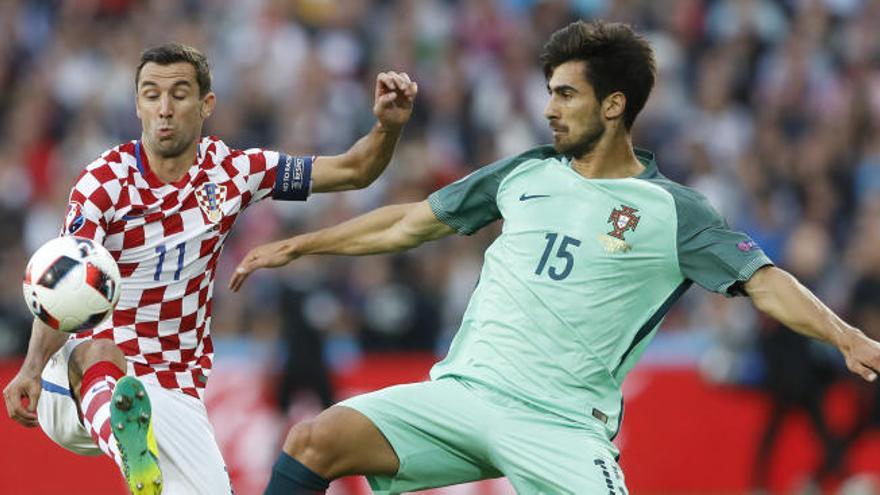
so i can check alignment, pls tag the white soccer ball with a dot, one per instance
(71, 284)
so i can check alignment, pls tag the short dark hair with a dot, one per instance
(172, 53)
(617, 59)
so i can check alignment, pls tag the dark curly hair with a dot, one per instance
(617, 59)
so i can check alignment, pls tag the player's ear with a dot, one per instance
(614, 105)
(208, 104)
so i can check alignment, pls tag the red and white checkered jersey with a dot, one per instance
(166, 238)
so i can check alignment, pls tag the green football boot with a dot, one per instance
(132, 423)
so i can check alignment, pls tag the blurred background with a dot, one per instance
(769, 108)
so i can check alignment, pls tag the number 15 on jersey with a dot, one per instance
(564, 252)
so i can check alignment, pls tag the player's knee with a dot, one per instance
(97, 350)
(313, 444)
(297, 439)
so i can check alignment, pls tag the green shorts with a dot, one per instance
(449, 431)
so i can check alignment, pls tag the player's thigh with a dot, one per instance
(57, 410)
(547, 458)
(189, 457)
(437, 429)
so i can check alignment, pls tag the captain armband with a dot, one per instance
(293, 179)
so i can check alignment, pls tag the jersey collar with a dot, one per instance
(152, 179)
(647, 159)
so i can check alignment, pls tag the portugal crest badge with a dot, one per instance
(210, 197)
(622, 219)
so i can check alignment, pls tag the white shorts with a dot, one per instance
(190, 460)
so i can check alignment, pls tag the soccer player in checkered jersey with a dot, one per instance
(597, 245)
(163, 205)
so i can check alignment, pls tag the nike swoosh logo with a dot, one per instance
(526, 197)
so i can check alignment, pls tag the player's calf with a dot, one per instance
(132, 425)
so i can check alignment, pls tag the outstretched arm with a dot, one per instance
(384, 230)
(367, 158)
(779, 295)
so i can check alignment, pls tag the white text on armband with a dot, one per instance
(293, 179)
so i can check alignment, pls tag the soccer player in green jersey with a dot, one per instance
(595, 248)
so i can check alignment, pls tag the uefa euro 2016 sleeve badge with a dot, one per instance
(210, 197)
(621, 219)
(74, 219)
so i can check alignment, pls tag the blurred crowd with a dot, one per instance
(770, 108)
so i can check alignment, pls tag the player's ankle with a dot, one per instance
(290, 476)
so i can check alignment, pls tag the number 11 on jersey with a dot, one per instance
(181, 250)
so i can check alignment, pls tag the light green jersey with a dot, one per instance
(580, 278)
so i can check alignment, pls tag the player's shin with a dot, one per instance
(291, 477)
(96, 391)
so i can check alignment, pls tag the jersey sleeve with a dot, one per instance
(92, 201)
(470, 203)
(710, 253)
(284, 177)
